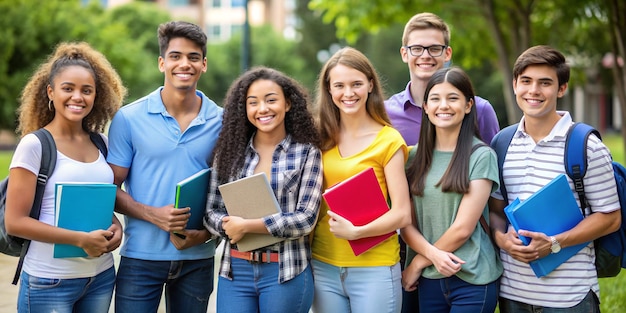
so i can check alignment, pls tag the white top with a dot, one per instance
(39, 260)
(527, 167)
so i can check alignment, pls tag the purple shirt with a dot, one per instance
(406, 116)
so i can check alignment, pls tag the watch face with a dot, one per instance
(556, 247)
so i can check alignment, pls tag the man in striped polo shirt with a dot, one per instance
(535, 156)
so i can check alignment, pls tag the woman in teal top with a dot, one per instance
(451, 174)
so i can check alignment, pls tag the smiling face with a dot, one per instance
(266, 107)
(424, 66)
(446, 106)
(537, 90)
(349, 89)
(182, 64)
(73, 92)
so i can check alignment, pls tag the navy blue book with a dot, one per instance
(551, 210)
(82, 207)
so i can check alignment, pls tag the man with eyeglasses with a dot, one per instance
(426, 48)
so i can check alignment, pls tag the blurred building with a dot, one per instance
(221, 19)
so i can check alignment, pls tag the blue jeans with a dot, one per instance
(255, 288)
(454, 295)
(375, 289)
(590, 304)
(139, 285)
(89, 294)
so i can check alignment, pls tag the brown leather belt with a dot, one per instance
(255, 256)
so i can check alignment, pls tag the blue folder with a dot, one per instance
(551, 210)
(82, 207)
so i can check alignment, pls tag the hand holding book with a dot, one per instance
(342, 227)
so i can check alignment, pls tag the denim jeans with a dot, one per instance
(255, 288)
(454, 295)
(139, 285)
(589, 304)
(89, 294)
(375, 289)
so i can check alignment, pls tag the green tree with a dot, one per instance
(30, 29)
(268, 48)
(483, 30)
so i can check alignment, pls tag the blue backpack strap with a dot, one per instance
(48, 163)
(500, 143)
(575, 157)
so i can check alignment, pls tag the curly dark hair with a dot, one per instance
(110, 91)
(236, 130)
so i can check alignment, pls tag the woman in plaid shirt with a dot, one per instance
(267, 128)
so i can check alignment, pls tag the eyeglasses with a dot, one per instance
(418, 50)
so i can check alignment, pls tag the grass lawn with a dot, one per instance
(612, 290)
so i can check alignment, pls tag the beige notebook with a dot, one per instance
(251, 197)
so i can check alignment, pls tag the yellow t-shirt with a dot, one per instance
(332, 250)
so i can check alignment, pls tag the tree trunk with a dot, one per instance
(618, 37)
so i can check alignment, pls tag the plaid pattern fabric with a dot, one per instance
(296, 178)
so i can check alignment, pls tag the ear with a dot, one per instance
(448, 53)
(204, 66)
(562, 90)
(161, 64)
(287, 106)
(404, 53)
(50, 92)
(371, 86)
(468, 107)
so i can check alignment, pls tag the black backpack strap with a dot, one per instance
(48, 163)
(575, 158)
(96, 138)
(500, 143)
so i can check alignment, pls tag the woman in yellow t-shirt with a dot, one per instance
(356, 135)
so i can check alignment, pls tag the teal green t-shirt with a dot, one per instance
(436, 210)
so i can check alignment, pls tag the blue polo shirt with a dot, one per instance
(147, 140)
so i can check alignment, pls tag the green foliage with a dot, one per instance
(5, 160)
(268, 48)
(30, 29)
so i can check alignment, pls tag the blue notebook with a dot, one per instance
(82, 207)
(551, 210)
(192, 192)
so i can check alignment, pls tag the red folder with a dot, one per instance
(360, 200)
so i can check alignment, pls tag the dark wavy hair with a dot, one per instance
(228, 155)
(456, 177)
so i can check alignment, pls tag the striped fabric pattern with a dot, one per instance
(528, 166)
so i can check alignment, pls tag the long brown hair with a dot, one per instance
(327, 111)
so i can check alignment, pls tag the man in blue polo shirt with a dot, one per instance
(156, 142)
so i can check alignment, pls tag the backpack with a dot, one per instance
(16, 246)
(610, 249)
